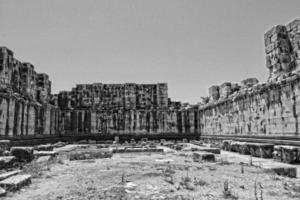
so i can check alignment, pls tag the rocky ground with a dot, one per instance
(168, 175)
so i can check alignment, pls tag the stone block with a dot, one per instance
(4, 145)
(45, 153)
(288, 171)
(203, 156)
(136, 150)
(7, 161)
(214, 93)
(22, 153)
(211, 150)
(44, 159)
(226, 145)
(15, 182)
(59, 144)
(9, 174)
(45, 147)
(287, 154)
(2, 192)
(91, 154)
(263, 150)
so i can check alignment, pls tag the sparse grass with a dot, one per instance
(35, 169)
(199, 182)
(155, 178)
(186, 183)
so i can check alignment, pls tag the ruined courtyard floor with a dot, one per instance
(169, 175)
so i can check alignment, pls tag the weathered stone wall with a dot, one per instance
(154, 121)
(264, 110)
(21, 117)
(250, 109)
(115, 96)
(269, 109)
(25, 108)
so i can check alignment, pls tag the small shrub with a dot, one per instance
(123, 178)
(186, 183)
(227, 192)
(258, 191)
(199, 182)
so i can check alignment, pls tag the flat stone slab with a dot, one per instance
(193, 147)
(280, 169)
(9, 174)
(207, 149)
(66, 148)
(45, 153)
(2, 192)
(203, 156)
(15, 182)
(44, 159)
(136, 150)
(91, 154)
(59, 144)
(44, 147)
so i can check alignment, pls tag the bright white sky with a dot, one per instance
(190, 44)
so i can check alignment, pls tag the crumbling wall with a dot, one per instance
(270, 109)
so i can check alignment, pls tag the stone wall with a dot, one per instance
(25, 108)
(154, 121)
(267, 109)
(22, 117)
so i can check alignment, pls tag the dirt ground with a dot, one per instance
(168, 175)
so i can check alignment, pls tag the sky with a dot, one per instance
(189, 44)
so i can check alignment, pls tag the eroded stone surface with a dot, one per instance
(15, 182)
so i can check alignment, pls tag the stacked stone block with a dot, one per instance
(279, 52)
(24, 99)
(43, 85)
(214, 93)
(225, 90)
(6, 66)
(249, 82)
(293, 30)
(28, 80)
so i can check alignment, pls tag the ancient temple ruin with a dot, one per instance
(27, 107)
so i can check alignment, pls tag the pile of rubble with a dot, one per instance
(14, 158)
